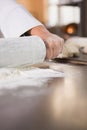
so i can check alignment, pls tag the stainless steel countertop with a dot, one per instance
(60, 104)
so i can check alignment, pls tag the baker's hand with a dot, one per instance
(54, 44)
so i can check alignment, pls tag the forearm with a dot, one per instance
(40, 31)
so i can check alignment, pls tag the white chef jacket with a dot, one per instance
(15, 20)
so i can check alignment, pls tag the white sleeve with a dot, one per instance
(15, 19)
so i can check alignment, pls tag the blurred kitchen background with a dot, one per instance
(65, 18)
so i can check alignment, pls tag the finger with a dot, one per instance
(55, 51)
(61, 45)
(49, 53)
(57, 48)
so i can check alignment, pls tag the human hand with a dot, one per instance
(54, 46)
(53, 43)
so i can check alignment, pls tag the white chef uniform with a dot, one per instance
(15, 20)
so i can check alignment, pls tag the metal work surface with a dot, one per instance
(58, 104)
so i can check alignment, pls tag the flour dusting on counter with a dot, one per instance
(12, 77)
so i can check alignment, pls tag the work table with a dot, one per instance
(59, 104)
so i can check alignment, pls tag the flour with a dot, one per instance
(13, 77)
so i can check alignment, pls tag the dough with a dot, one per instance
(72, 47)
(70, 50)
(84, 50)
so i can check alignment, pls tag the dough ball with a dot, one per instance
(72, 47)
(70, 50)
(84, 50)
